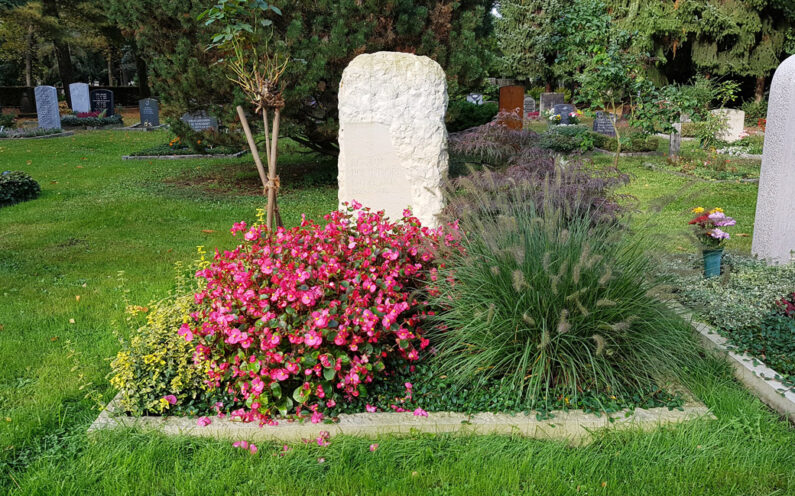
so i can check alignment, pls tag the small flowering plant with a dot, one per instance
(708, 226)
(296, 320)
(552, 117)
(574, 117)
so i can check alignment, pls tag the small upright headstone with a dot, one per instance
(774, 224)
(392, 136)
(735, 124)
(102, 100)
(47, 107)
(529, 104)
(549, 100)
(476, 98)
(603, 124)
(512, 101)
(200, 121)
(149, 111)
(563, 110)
(79, 94)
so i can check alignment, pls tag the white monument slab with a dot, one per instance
(78, 93)
(393, 141)
(735, 124)
(774, 223)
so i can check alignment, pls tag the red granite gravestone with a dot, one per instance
(512, 100)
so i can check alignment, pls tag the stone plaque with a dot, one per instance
(102, 100)
(735, 124)
(393, 141)
(78, 93)
(149, 110)
(512, 100)
(563, 110)
(529, 104)
(774, 224)
(603, 124)
(47, 107)
(475, 98)
(199, 121)
(549, 100)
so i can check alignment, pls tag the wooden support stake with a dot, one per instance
(253, 146)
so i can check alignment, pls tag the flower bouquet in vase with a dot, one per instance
(708, 224)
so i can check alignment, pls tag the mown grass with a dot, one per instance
(99, 215)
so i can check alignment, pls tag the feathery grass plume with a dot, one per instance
(538, 341)
(518, 255)
(600, 344)
(495, 269)
(518, 280)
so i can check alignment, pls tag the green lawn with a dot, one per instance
(106, 232)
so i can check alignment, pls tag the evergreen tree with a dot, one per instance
(526, 38)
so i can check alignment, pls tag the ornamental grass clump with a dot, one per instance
(297, 320)
(550, 305)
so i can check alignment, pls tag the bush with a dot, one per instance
(17, 186)
(91, 121)
(566, 139)
(28, 132)
(307, 317)
(490, 143)
(754, 111)
(6, 120)
(157, 362)
(551, 305)
(462, 115)
(201, 141)
(633, 143)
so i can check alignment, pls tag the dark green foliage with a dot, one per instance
(177, 149)
(17, 186)
(74, 121)
(754, 111)
(28, 132)
(633, 143)
(6, 120)
(773, 342)
(553, 304)
(566, 139)
(463, 115)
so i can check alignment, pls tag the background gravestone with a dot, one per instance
(675, 142)
(393, 141)
(47, 107)
(149, 111)
(603, 124)
(549, 100)
(475, 98)
(78, 92)
(512, 101)
(735, 124)
(529, 104)
(199, 121)
(774, 223)
(102, 100)
(563, 110)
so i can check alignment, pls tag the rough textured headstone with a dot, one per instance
(512, 100)
(78, 92)
(47, 107)
(149, 110)
(529, 104)
(604, 124)
(675, 143)
(549, 100)
(505, 82)
(199, 121)
(774, 224)
(476, 98)
(102, 100)
(393, 141)
(735, 123)
(563, 110)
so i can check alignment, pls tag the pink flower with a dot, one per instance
(317, 417)
(280, 374)
(253, 448)
(419, 412)
(185, 331)
(370, 408)
(240, 444)
(373, 446)
(172, 400)
(312, 339)
(203, 421)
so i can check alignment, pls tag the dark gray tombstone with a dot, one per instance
(563, 110)
(47, 107)
(549, 100)
(199, 121)
(149, 111)
(603, 124)
(81, 102)
(529, 104)
(102, 100)
(475, 98)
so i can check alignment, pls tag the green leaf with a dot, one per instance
(329, 373)
(276, 389)
(300, 395)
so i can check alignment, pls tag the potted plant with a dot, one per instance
(708, 231)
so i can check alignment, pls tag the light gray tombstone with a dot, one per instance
(392, 137)
(476, 98)
(774, 223)
(78, 92)
(529, 104)
(675, 143)
(735, 124)
(199, 121)
(47, 107)
(149, 110)
(549, 100)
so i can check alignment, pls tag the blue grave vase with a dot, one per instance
(712, 261)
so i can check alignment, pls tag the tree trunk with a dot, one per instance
(29, 57)
(759, 92)
(110, 68)
(143, 76)
(62, 55)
